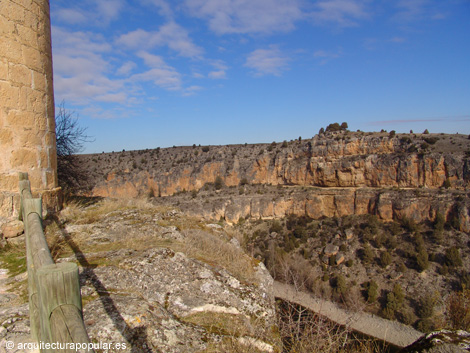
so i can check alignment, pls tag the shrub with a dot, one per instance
(284, 144)
(439, 221)
(385, 259)
(426, 132)
(402, 267)
(410, 224)
(367, 254)
(426, 306)
(422, 260)
(205, 149)
(446, 183)
(392, 134)
(339, 285)
(431, 140)
(452, 257)
(276, 227)
(458, 310)
(333, 127)
(372, 291)
(219, 183)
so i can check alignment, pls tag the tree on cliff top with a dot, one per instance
(70, 137)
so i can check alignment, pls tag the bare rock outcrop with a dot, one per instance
(443, 341)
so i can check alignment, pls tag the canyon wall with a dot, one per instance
(333, 175)
(358, 162)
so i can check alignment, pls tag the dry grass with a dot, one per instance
(198, 241)
(212, 249)
(302, 331)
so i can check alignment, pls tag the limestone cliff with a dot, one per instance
(350, 170)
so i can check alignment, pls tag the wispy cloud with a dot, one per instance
(171, 34)
(326, 56)
(454, 118)
(97, 12)
(241, 16)
(343, 13)
(267, 61)
(163, 7)
(415, 10)
(80, 69)
(160, 73)
(220, 71)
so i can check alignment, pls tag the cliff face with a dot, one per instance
(388, 204)
(350, 170)
(325, 162)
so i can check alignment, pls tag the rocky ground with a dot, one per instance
(148, 284)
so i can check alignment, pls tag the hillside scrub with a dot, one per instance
(374, 260)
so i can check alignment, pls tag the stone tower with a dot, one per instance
(27, 122)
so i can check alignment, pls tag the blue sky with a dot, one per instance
(157, 73)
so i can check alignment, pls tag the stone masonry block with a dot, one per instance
(27, 36)
(8, 95)
(15, 12)
(31, 139)
(39, 81)
(20, 119)
(25, 158)
(36, 179)
(19, 74)
(32, 58)
(8, 182)
(3, 70)
(35, 102)
(6, 27)
(6, 136)
(43, 159)
(50, 139)
(11, 49)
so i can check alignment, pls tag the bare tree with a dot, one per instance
(70, 138)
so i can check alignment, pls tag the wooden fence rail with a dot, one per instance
(55, 304)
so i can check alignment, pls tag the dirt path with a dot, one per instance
(392, 332)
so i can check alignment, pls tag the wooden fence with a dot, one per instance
(55, 303)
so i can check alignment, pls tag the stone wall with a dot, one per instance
(27, 122)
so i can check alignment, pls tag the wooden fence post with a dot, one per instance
(60, 304)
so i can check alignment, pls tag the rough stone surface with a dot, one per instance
(26, 98)
(12, 229)
(152, 298)
(443, 341)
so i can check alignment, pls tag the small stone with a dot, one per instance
(12, 229)
(339, 258)
(331, 249)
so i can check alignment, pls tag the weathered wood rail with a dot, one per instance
(392, 332)
(55, 303)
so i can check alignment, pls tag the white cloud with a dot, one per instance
(126, 68)
(326, 56)
(160, 73)
(164, 8)
(71, 16)
(217, 74)
(191, 90)
(267, 61)
(415, 10)
(80, 68)
(344, 13)
(171, 34)
(96, 12)
(246, 16)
